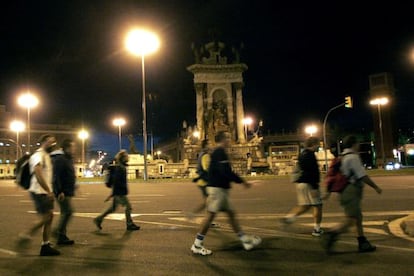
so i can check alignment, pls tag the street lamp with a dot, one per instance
(246, 122)
(311, 130)
(378, 102)
(29, 101)
(17, 126)
(141, 43)
(119, 122)
(83, 135)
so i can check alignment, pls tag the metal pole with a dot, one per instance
(119, 137)
(324, 133)
(28, 130)
(144, 118)
(381, 135)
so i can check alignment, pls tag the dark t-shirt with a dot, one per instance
(220, 172)
(310, 169)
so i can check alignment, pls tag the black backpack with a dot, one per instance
(23, 175)
(109, 176)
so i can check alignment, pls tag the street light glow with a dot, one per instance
(311, 130)
(118, 122)
(141, 42)
(379, 101)
(17, 126)
(28, 100)
(83, 134)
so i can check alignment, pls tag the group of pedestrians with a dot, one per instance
(53, 179)
(309, 194)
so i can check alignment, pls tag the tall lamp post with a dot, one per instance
(83, 135)
(17, 126)
(141, 43)
(119, 122)
(29, 101)
(378, 102)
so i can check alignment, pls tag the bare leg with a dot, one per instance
(233, 221)
(206, 223)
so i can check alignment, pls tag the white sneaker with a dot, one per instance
(201, 250)
(251, 241)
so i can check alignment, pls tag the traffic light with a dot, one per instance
(348, 102)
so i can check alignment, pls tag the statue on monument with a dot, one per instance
(132, 148)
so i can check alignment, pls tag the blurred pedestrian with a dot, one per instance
(64, 180)
(41, 193)
(307, 187)
(119, 193)
(203, 163)
(351, 197)
(219, 180)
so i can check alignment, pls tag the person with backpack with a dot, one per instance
(220, 177)
(64, 180)
(307, 187)
(351, 197)
(119, 193)
(41, 193)
(203, 163)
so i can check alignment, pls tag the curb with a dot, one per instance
(403, 227)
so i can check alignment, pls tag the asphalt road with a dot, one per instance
(162, 245)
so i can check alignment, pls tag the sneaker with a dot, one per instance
(98, 223)
(366, 247)
(201, 250)
(328, 240)
(64, 240)
(317, 233)
(250, 242)
(47, 250)
(133, 227)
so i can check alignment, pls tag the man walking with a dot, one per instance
(119, 193)
(41, 193)
(351, 197)
(220, 177)
(307, 187)
(64, 180)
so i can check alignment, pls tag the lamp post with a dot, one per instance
(119, 122)
(378, 102)
(83, 135)
(17, 126)
(29, 101)
(140, 43)
(246, 122)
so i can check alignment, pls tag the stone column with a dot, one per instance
(199, 87)
(239, 112)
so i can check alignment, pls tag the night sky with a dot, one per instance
(303, 58)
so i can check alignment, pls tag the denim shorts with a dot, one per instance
(43, 203)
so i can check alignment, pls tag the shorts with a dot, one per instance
(43, 203)
(308, 196)
(351, 199)
(218, 200)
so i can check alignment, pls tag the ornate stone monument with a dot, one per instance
(218, 86)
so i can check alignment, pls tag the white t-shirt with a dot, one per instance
(42, 158)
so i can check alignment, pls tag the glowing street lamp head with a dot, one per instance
(141, 42)
(83, 134)
(247, 121)
(119, 122)
(379, 101)
(17, 126)
(28, 100)
(311, 129)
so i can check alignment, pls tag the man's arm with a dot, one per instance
(371, 183)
